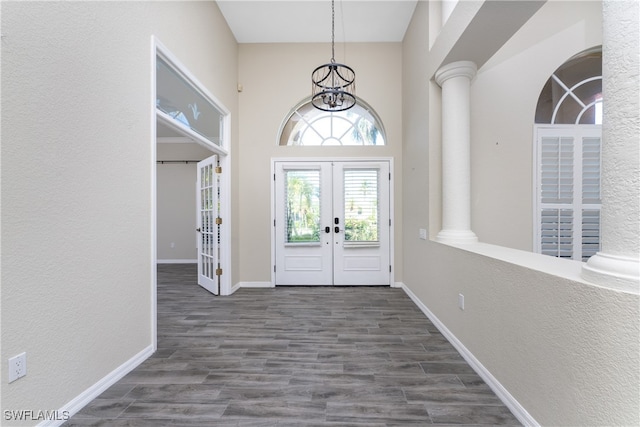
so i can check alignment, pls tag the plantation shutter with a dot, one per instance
(361, 205)
(567, 195)
(591, 163)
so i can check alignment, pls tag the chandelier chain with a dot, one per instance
(333, 32)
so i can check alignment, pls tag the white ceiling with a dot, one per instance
(309, 21)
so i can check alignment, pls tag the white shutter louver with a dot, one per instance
(361, 205)
(591, 171)
(557, 170)
(557, 232)
(590, 233)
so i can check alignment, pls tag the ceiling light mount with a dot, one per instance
(333, 85)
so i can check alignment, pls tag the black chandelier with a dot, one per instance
(333, 85)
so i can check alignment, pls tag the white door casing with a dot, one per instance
(332, 223)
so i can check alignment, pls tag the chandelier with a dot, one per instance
(333, 85)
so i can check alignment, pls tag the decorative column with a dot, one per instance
(455, 80)
(617, 265)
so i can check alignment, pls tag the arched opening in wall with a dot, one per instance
(305, 125)
(567, 149)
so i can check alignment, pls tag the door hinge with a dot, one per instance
(218, 169)
(274, 268)
(389, 222)
(274, 176)
(274, 222)
(389, 176)
(389, 268)
(218, 220)
(218, 272)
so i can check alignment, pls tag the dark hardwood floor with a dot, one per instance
(294, 356)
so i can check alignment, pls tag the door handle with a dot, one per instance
(198, 230)
(337, 229)
(327, 229)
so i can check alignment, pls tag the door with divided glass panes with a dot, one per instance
(332, 223)
(208, 224)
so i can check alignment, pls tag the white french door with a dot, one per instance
(332, 223)
(208, 221)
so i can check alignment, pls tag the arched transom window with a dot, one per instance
(573, 93)
(306, 125)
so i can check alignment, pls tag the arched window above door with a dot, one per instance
(307, 126)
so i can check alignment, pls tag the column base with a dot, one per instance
(457, 237)
(613, 271)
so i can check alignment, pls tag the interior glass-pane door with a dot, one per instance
(361, 207)
(303, 229)
(208, 213)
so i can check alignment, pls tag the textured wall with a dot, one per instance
(621, 127)
(76, 181)
(566, 350)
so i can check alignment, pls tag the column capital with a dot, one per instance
(456, 69)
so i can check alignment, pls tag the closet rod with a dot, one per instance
(162, 162)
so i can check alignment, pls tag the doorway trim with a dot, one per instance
(223, 152)
(274, 160)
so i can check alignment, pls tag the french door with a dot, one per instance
(208, 224)
(332, 223)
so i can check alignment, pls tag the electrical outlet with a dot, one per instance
(461, 301)
(422, 233)
(17, 367)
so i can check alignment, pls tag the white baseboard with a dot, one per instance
(254, 285)
(177, 261)
(79, 402)
(510, 402)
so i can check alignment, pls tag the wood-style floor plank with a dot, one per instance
(294, 356)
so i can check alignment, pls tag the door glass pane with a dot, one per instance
(302, 210)
(361, 205)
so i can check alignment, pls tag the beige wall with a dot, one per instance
(76, 181)
(567, 351)
(275, 77)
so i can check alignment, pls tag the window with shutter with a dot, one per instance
(567, 159)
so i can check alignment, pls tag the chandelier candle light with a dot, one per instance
(333, 85)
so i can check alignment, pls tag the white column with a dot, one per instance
(617, 265)
(455, 80)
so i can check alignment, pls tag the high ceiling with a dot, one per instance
(309, 21)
